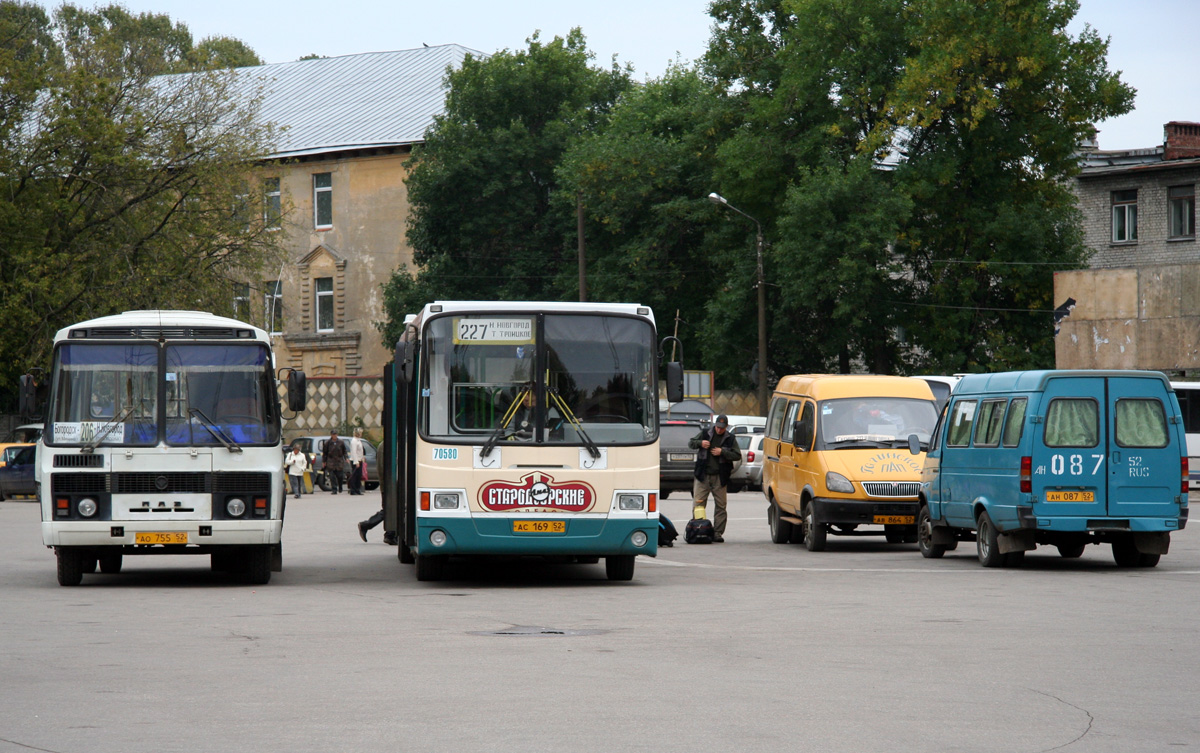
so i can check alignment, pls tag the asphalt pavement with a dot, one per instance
(740, 646)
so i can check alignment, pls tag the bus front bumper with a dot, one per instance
(124, 533)
(496, 536)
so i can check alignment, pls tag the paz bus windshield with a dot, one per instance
(539, 378)
(133, 394)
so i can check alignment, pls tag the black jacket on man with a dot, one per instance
(706, 462)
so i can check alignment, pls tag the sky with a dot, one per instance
(1153, 42)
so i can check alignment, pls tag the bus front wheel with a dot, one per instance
(431, 567)
(70, 566)
(619, 566)
(256, 565)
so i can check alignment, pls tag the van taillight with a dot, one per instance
(1026, 475)
(750, 456)
(1183, 466)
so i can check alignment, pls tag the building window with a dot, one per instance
(273, 306)
(241, 206)
(272, 203)
(323, 200)
(241, 301)
(1124, 216)
(1181, 211)
(324, 304)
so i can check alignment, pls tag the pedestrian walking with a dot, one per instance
(357, 458)
(333, 459)
(716, 452)
(296, 464)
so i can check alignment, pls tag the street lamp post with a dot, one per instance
(718, 199)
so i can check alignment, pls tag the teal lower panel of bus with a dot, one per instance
(582, 536)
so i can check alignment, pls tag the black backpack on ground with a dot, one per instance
(666, 531)
(698, 531)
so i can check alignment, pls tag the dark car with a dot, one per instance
(16, 477)
(313, 446)
(676, 462)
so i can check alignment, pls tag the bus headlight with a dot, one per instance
(638, 538)
(836, 482)
(437, 538)
(445, 501)
(235, 507)
(87, 507)
(631, 502)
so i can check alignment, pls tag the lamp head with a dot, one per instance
(717, 198)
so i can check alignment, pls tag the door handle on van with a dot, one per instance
(1116, 456)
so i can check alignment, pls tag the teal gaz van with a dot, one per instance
(1060, 458)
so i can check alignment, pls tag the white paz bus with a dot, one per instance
(520, 429)
(162, 436)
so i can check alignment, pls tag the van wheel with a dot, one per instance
(1148, 560)
(781, 530)
(110, 563)
(1071, 551)
(929, 550)
(987, 545)
(1125, 553)
(814, 533)
(1014, 559)
(894, 534)
(664, 493)
(619, 567)
(70, 566)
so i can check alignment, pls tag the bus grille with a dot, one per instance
(892, 488)
(78, 461)
(242, 482)
(169, 482)
(78, 483)
(157, 333)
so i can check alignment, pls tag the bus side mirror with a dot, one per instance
(405, 359)
(27, 397)
(914, 444)
(297, 391)
(674, 381)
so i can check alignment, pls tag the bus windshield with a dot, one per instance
(539, 378)
(108, 394)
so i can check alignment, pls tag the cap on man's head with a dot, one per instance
(722, 421)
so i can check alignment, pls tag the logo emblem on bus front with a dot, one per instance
(537, 491)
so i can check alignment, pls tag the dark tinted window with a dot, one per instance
(676, 436)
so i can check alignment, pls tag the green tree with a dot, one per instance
(483, 223)
(120, 188)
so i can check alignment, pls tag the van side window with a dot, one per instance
(775, 420)
(1014, 422)
(1072, 422)
(808, 420)
(789, 420)
(991, 419)
(962, 418)
(1141, 423)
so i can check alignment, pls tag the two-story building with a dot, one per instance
(1138, 306)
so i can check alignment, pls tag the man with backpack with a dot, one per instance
(716, 452)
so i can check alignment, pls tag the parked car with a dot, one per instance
(748, 474)
(685, 410)
(677, 462)
(25, 434)
(747, 424)
(16, 477)
(313, 446)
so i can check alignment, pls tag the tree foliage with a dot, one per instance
(483, 223)
(121, 187)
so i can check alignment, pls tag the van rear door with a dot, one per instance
(1144, 450)
(1107, 448)
(1070, 455)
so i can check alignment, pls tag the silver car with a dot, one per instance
(748, 475)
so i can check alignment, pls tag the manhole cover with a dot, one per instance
(527, 630)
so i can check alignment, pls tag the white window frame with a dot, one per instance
(241, 301)
(324, 298)
(1181, 211)
(273, 306)
(1124, 216)
(318, 191)
(272, 204)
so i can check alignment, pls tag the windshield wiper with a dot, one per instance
(504, 421)
(105, 430)
(563, 408)
(215, 430)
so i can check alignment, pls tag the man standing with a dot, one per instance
(333, 458)
(716, 452)
(357, 458)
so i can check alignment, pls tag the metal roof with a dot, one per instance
(373, 99)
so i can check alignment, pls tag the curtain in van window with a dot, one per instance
(1072, 422)
(1141, 423)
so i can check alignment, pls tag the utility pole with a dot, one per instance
(582, 256)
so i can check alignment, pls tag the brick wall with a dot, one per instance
(1152, 246)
